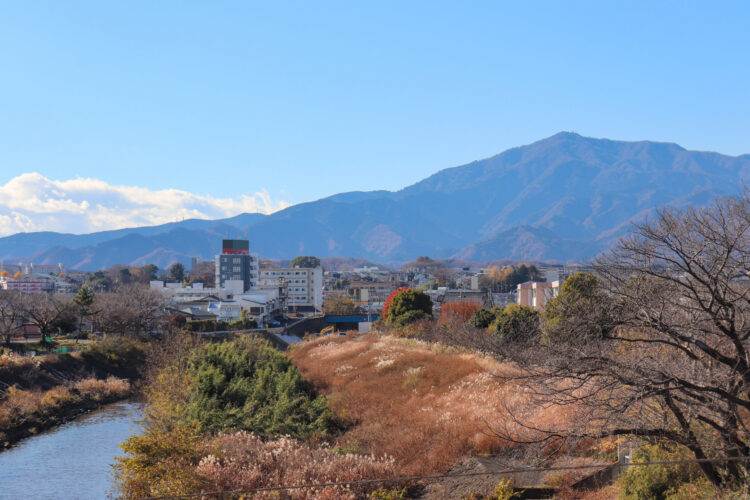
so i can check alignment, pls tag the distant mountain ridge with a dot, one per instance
(564, 197)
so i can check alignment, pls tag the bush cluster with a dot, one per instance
(512, 323)
(242, 385)
(246, 384)
(406, 306)
(664, 482)
(119, 355)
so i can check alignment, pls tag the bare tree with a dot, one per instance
(11, 314)
(47, 311)
(132, 309)
(147, 307)
(114, 314)
(338, 305)
(659, 346)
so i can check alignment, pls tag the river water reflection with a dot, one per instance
(72, 461)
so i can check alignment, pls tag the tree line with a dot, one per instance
(129, 309)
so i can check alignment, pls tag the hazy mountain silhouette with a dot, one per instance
(564, 197)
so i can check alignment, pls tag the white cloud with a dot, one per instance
(31, 202)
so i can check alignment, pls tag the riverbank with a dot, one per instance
(39, 393)
(26, 413)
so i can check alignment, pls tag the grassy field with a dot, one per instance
(423, 404)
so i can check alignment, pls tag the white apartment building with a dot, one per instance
(30, 283)
(303, 286)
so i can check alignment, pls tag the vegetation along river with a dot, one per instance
(72, 461)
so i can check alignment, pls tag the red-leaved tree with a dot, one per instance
(389, 301)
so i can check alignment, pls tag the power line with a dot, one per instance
(445, 476)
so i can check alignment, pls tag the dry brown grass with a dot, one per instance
(102, 389)
(42, 372)
(244, 461)
(425, 405)
(13, 361)
(17, 404)
(20, 406)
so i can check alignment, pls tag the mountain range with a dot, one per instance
(566, 197)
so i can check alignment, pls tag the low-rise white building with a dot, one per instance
(225, 304)
(303, 286)
(261, 304)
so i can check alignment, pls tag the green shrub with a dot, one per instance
(581, 296)
(658, 482)
(122, 356)
(409, 301)
(504, 491)
(243, 324)
(246, 384)
(483, 318)
(203, 325)
(698, 489)
(407, 317)
(390, 494)
(516, 323)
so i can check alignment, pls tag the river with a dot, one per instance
(72, 461)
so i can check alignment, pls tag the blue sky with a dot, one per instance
(307, 99)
